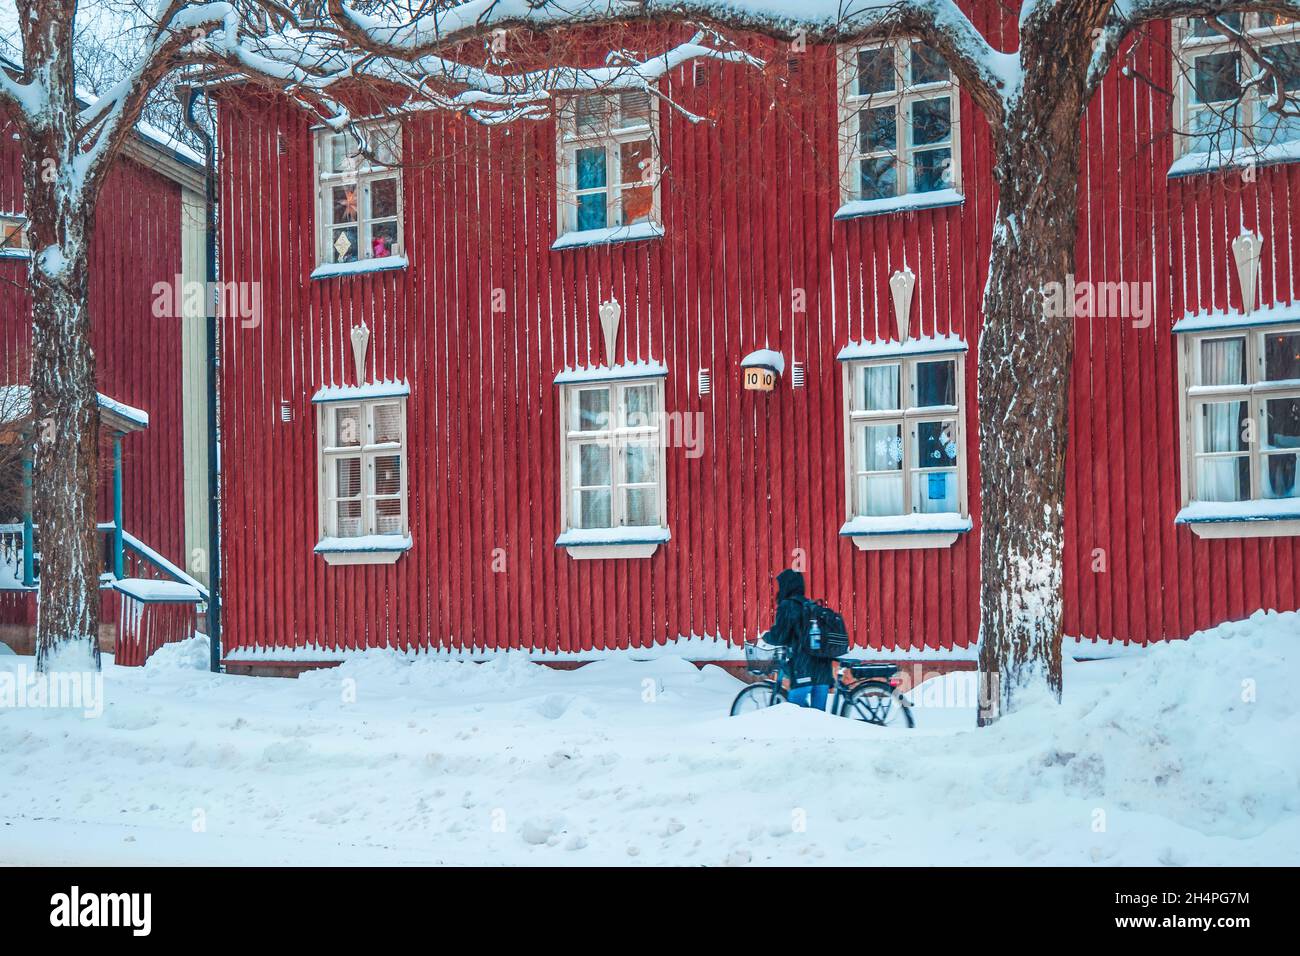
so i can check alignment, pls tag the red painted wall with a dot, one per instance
(136, 243)
(747, 208)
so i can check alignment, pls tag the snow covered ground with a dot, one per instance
(1187, 754)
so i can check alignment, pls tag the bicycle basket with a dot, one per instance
(761, 660)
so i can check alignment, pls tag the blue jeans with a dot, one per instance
(818, 692)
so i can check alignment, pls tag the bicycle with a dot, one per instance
(873, 697)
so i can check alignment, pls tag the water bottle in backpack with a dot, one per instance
(815, 637)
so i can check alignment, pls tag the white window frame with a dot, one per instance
(1256, 392)
(569, 141)
(909, 418)
(367, 450)
(641, 540)
(363, 177)
(11, 225)
(1188, 47)
(901, 98)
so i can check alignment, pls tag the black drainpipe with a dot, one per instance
(190, 96)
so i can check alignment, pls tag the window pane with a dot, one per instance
(1206, 26)
(931, 121)
(591, 168)
(1223, 479)
(388, 475)
(641, 464)
(879, 388)
(879, 178)
(634, 108)
(388, 516)
(592, 211)
(930, 170)
(639, 406)
(589, 113)
(936, 383)
(347, 426)
(592, 465)
(1272, 126)
(875, 71)
(927, 65)
(1217, 129)
(383, 239)
(638, 205)
(642, 506)
(348, 477)
(343, 243)
(345, 203)
(1223, 427)
(877, 129)
(348, 517)
(1282, 423)
(1282, 356)
(1215, 77)
(1271, 19)
(636, 164)
(936, 444)
(593, 509)
(383, 198)
(880, 495)
(1279, 479)
(936, 492)
(880, 448)
(388, 423)
(1223, 361)
(591, 410)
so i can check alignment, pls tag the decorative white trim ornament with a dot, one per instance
(610, 313)
(1246, 250)
(360, 343)
(901, 284)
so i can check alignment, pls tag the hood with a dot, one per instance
(789, 584)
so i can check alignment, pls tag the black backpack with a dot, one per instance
(834, 635)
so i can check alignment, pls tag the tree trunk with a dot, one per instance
(1025, 355)
(64, 409)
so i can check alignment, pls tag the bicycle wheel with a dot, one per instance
(757, 696)
(876, 702)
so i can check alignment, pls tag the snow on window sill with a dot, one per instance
(23, 254)
(586, 544)
(357, 393)
(1217, 320)
(361, 266)
(610, 373)
(915, 345)
(602, 237)
(1193, 164)
(905, 532)
(1272, 518)
(365, 549)
(935, 199)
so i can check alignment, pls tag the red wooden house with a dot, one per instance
(589, 383)
(151, 361)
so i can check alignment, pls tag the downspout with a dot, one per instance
(190, 96)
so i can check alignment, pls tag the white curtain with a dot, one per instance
(880, 387)
(1218, 479)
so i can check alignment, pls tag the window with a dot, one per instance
(363, 468)
(609, 162)
(613, 455)
(1243, 414)
(13, 234)
(899, 124)
(358, 199)
(1224, 90)
(905, 437)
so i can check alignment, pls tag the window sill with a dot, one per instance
(1194, 164)
(1275, 518)
(905, 532)
(360, 267)
(604, 237)
(587, 544)
(937, 199)
(368, 549)
(22, 254)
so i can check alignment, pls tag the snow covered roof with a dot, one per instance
(16, 403)
(149, 591)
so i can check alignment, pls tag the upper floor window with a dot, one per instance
(608, 156)
(363, 468)
(905, 444)
(358, 196)
(1227, 72)
(898, 122)
(13, 234)
(1243, 410)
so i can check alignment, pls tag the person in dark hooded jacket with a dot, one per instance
(810, 676)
